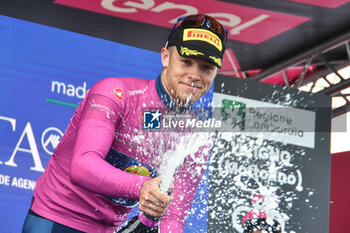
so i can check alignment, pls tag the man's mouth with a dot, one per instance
(191, 86)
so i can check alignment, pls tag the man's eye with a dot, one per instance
(208, 67)
(187, 62)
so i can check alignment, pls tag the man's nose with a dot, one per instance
(194, 72)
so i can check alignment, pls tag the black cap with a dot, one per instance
(199, 42)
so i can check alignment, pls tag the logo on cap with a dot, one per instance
(216, 60)
(202, 35)
(189, 52)
(118, 93)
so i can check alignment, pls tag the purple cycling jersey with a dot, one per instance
(79, 182)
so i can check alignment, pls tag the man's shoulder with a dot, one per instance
(121, 87)
(125, 82)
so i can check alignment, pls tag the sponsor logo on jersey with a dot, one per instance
(141, 91)
(141, 116)
(139, 170)
(119, 93)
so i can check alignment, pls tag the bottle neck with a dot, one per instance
(148, 220)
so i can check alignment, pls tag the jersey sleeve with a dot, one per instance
(100, 116)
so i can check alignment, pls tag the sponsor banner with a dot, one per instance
(242, 22)
(292, 25)
(17, 182)
(236, 114)
(322, 3)
(262, 179)
(46, 74)
(267, 121)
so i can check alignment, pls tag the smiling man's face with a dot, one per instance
(186, 79)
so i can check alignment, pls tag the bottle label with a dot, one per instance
(131, 165)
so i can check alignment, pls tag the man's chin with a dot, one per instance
(187, 98)
(187, 102)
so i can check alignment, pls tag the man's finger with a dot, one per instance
(152, 209)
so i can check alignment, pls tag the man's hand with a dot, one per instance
(152, 201)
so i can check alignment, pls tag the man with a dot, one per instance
(104, 162)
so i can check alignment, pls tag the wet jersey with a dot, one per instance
(80, 181)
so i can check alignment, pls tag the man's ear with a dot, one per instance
(165, 55)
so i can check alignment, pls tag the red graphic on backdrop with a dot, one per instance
(246, 24)
(323, 3)
(231, 67)
(118, 93)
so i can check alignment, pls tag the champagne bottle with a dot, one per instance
(141, 223)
